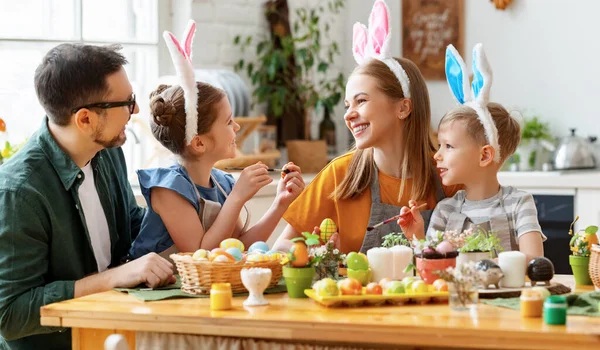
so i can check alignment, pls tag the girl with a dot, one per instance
(388, 113)
(192, 205)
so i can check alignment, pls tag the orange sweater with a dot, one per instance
(350, 215)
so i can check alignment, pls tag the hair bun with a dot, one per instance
(162, 111)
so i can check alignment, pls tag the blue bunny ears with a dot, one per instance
(477, 94)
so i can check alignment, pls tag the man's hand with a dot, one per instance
(150, 269)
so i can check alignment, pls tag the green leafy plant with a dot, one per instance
(394, 239)
(481, 241)
(534, 129)
(298, 70)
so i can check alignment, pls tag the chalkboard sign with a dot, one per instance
(428, 26)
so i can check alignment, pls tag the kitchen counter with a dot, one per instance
(564, 179)
(302, 321)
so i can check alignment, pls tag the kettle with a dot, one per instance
(574, 152)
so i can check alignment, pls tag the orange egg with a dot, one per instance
(440, 285)
(299, 252)
(350, 286)
(2, 125)
(220, 252)
(374, 288)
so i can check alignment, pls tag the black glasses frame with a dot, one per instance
(106, 105)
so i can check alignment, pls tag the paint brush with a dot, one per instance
(286, 171)
(370, 228)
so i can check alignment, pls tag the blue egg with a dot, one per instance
(235, 252)
(258, 246)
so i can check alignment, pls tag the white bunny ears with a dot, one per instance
(477, 95)
(182, 60)
(375, 43)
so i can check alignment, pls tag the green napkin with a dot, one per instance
(173, 291)
(582, 304)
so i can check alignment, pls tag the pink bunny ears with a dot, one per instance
(375, 43)
(182, 60)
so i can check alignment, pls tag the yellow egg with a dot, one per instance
(327, 228)
(232, 243)
(256, 257)
(200, 254)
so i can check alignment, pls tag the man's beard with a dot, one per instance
(116, 141)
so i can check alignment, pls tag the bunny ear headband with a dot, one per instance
(477, 95)
(182, 60)
(375, 43)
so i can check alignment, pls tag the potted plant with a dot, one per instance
(474, 245)
(293, 69)
(394, 239)
(326, 259)
(299, 270)
(433, 255)
(581, 247)
(535, 139)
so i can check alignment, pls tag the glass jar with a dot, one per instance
(532, 303)
(555, 310)
(327, 269)
(220, 296)
(462, 296)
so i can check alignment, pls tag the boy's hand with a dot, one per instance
(411, 222)
(252, 179)
(290, 187)
(151, 269)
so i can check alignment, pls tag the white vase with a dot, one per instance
(471, 256)
(256, 280)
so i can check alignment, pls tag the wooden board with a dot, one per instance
(428, 26)
(492, 292)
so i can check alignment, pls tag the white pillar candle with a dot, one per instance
(513, 267)
(402, 257)
(381, 261)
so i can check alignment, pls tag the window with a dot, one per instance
(29, 28)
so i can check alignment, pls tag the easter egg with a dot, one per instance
(350, 286)
(440, 285)
(256, 257)
(274, 255)
(357, 262)
(419, 287)
(299, 253)
(384, 281)
(200, 254)
(260, 246)
(235, 252)
(216, 254)
(221, 258)
(408, 281)
(232, 243)
(374, 288)
(327, 287)
(327, 229)
(394, 287)
(445, 247)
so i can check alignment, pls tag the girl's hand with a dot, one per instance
(252, 179)
(411, 222)
(290, 187)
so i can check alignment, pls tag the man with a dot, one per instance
(67, 212)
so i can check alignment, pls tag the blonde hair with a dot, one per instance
(509, 130)
(417, 156)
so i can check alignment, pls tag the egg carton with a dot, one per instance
(396, 299)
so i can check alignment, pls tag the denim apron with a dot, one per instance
(207, 212)
(381, 212)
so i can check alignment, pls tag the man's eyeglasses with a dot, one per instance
(107, 105)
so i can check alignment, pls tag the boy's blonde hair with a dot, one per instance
(418, 150)
(509, 130)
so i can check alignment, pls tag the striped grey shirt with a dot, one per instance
(519, 205)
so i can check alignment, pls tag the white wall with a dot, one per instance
(545, 55)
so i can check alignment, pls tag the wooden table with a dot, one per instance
(96, 316)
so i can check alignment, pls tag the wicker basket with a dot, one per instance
(197, 276)
(595, 266)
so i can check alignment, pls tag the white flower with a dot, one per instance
(336, 251)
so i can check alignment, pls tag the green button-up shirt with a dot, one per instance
(44, 241)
